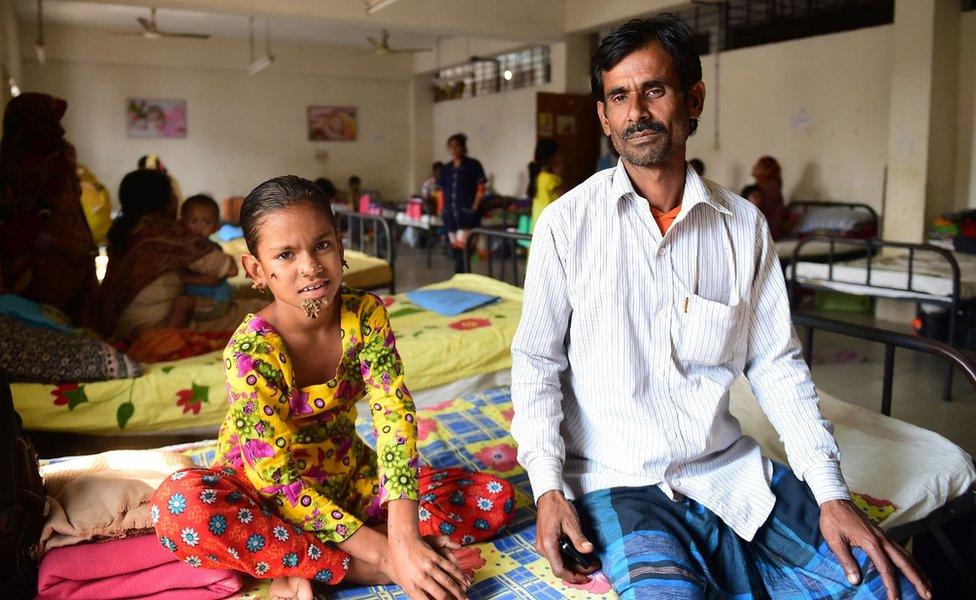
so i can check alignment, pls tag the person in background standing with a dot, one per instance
(462, 182)
(545, 183)
(355, 188)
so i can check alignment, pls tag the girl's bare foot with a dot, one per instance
(291, 588)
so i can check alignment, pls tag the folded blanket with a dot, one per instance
(104, 495)
(449, 302)
(136, 567)
(159, 345)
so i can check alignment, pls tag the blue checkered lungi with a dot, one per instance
(653, 547)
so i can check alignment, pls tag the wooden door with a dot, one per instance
(570, 119)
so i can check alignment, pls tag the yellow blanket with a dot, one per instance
(189, 393)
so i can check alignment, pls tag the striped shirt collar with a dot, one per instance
(696, 192)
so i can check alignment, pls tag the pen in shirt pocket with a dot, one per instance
(687, 298)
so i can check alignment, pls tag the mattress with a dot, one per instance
(898, 472)
(815, 250)
(931, 279)
(188, 394)
(901, 470)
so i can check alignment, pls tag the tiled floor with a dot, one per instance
(846, 368)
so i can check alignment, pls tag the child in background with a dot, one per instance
(545, 184)
(205, 297)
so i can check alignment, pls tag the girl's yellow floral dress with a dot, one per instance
(295, 478)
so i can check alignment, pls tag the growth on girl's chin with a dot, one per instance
(312, 306)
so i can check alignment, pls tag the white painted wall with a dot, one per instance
(242, 129)
(966, 121)
(819, 105)
(500, 128)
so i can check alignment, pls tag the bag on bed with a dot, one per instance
(22, 500)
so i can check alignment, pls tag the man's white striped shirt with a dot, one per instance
(630, 340)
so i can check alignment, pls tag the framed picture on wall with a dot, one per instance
(332, 123)
(155, 118)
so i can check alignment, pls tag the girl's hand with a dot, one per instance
(427, 571)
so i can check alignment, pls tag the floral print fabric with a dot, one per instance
(298, 447)
(212, 518)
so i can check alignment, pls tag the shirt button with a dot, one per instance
(662, 251)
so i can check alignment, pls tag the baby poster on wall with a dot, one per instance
(155, 118)
(332, 123)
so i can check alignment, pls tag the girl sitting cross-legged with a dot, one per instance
(295, 494)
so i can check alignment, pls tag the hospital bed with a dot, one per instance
(372, 263)
(442, 356)
(919, 273)
(806, 218)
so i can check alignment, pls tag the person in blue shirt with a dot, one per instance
(462, 183)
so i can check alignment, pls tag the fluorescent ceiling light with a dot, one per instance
(376, 5)
(260, 64)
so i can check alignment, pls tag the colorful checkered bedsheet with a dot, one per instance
(472, 432)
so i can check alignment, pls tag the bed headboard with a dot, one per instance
(796, 210)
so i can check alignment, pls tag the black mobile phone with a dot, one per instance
(576, 559)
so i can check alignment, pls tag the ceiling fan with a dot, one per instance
(151, 32)
(381, 47)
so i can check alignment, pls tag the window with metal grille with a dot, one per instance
(492, 74)
(731, 24)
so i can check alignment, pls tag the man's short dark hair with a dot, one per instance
(460, 138)
(677, 38)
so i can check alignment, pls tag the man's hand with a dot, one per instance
(557, 517)
(844, 526)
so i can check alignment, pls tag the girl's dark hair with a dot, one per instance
(276, 194)
(459, 138)
(142, 192)
(545, 151)
(677, 38)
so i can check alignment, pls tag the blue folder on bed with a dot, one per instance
(449, 302)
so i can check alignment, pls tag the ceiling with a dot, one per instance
(283, 28)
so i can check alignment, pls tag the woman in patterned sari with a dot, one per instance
(46, 247)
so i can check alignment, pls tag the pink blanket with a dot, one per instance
(135, 567)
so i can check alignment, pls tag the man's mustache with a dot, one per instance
(642, 126)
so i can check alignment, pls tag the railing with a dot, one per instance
(510, 244)
(891, 340)
(872, 248)
(384, 246)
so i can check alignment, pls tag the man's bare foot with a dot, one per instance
(291, 588)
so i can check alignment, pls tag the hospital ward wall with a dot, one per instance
(241, 128)
(500, 128)
(819, 105)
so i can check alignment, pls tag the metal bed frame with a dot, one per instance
(803, 206)
(385, 249)
(958, 508)
(509, 241)
(872, 248)
(808, 204)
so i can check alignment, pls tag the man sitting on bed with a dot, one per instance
(649, 290)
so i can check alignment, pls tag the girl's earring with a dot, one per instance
(258, 286)
(345, 265)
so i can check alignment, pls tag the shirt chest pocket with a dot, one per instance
(709, 333)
